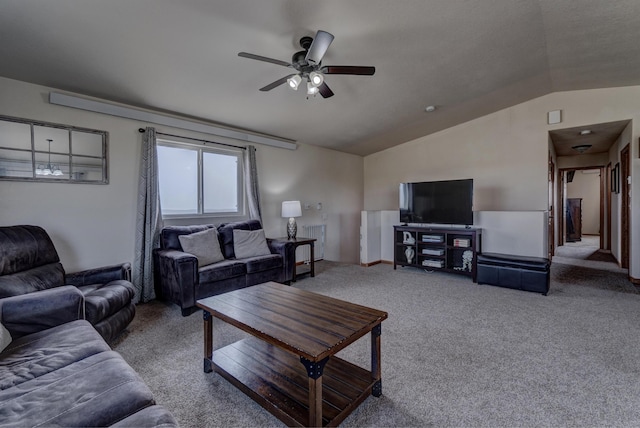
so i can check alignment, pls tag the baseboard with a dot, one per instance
(634, 281)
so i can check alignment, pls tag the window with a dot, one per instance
(196, 180)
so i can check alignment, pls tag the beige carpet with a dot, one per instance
(587, 253)
(454, 353)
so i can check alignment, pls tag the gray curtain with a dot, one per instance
(251, 183)
(148, 220)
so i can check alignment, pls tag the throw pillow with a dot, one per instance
(250, 243)
(204, 245)
(5, 337)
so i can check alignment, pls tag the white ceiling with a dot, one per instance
(467, 57)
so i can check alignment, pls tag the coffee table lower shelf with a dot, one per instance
(278, 381)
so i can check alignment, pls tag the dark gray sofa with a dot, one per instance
(180, 280)
(59, 371)
(29, 263)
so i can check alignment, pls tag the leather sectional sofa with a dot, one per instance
(29, 263)
(181, 280)
(58, 371)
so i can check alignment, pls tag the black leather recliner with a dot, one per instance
(29, 263)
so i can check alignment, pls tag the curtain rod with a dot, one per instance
(141, 130)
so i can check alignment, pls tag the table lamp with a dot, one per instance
(291, 209)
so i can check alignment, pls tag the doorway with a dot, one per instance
(583, 232)
(582, 204)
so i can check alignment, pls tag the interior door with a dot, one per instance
(624, 208)
(608, 207)
(551, 226)
(561, 207)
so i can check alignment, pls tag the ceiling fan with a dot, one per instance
(308, 66)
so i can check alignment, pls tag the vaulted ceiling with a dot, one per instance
(467, 58)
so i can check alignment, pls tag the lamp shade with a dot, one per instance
(294, 81)
(291, 209)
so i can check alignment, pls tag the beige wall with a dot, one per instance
(506, 154)
(93, 225)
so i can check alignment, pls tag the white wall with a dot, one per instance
(377, 242)
(521, 233)
(93, 225)
(370, 237)
(506, 153)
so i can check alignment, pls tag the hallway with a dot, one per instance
(586, 253)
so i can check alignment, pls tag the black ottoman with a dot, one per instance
(519, 272)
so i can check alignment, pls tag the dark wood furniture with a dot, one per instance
(298, 241)
(289, 327)
(452, 250)
(574, 219)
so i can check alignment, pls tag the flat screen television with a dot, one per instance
(439, 202)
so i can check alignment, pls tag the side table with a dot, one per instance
(298, 241)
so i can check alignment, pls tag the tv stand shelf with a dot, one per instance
(452, 250)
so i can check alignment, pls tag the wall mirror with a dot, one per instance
(40, 151)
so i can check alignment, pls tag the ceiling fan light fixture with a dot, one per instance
(294, 82)
(316, 78)
(311, 89)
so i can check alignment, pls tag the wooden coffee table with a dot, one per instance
(289, 365)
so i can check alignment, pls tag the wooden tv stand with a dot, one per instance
(451, 250)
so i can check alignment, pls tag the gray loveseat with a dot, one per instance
(181, 280)
(58, 371)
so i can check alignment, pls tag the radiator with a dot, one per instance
(316, 231)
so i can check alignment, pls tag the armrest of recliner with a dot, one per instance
(101, 275)
(177, 273)
(40, 310)
(288, 252)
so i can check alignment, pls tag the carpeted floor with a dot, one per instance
(454, 353)
(587, 253)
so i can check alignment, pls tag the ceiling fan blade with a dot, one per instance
(349, 69)
(275, 84)
(325, 91)
(319, 46)
(264, 58)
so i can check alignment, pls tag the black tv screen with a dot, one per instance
(441, 202)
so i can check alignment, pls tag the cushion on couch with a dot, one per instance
(170, 236)
(262, 263)
(226, 235)
(204, 245)
(250, 243)
(25, 247)
(37, 354)
(35, 279)
(95, 391)
(221, 271)
(104, 300)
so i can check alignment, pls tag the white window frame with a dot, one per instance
(201, 149)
